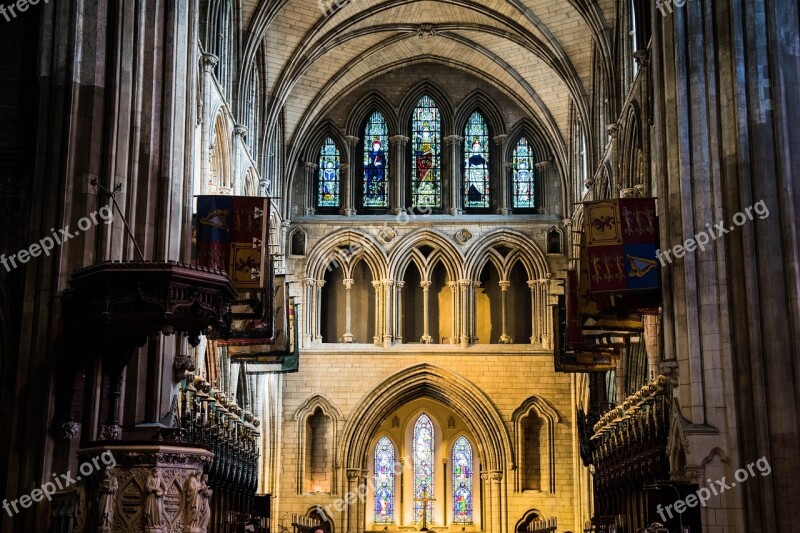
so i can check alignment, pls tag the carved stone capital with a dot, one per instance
(110, 432)
(310, 166)
(209, 62)
(505, 285)
(398, 140)
(69, 430)
(348, 283)
(642, 57)
(352, 140)
(453, 140)
(501, 139)
(240, 130)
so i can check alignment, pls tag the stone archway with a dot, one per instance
(492, 438)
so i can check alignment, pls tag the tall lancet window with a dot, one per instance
(423, 465)
(462, 481)
(384, 481)
(524, 169)
(426, 136)
(328, 192)
(476, 163)
(376, 162)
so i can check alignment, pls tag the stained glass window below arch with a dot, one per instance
(524, 177)
(423, 448)
(384, 481)
(376, 162)
(476, 163)
(328, 194)
(462, 481)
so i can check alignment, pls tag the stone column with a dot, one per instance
(311, 190)
(488, 507)
(362, 504)
(426, 334)
(472, 310)
(465, 285)
(352, 512)
(496, 501)
(547, 316)
(397, 174)
(452, 183)
(398, 318)
(349, 181)
(456, 310)
(308, 316)
(388, 306)
(378, 337)
(500, 169)
(239, 134)
(542, 168)
(536, 312)
(504, 337)
(348, 314)
(206, 132)
(318, 310)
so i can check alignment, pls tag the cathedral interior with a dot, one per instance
(367, 266)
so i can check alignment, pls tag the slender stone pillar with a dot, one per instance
(318, 310)
(496, 479)
(505, 338)
(397, 174)
(473, 312)
(398, 317)
(426, 334)
(378, 337)
(388, 306)
(308, 318)
(456, 311)
(348, 313)
(348, 177)
(453, 182)
(239, 135)
(536, 312)
(500, 169)
(352, 511)
(488, 506)
(311, 190)
(465, 285)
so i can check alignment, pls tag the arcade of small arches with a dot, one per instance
(427, 291)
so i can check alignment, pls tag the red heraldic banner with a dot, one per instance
(231, 234)
(621, 241)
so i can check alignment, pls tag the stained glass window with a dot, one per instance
(384, 481)
(524, 175)
(426, 133)
(462, 481)
(329, 184)
(376, 162)
(423, 465)
(476, 163)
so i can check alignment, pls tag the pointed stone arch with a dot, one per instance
(413, 96)
(313, 405)
(523, 249)
(540, 408)
(446, 251)
(366, 105)
(346, 247)
(425, 380)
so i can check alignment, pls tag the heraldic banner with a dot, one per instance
(621, 238)
(231, 236)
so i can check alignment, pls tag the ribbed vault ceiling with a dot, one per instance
(536, 51)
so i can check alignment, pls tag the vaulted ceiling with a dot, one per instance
(539, 52)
